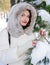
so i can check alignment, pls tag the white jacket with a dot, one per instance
(16, 51)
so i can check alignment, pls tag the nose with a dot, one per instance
(25, 18)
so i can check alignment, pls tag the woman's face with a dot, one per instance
(24, 19)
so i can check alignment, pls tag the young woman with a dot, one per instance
(17, 38)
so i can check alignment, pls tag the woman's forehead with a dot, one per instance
(26, 12)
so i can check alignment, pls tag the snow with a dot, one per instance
(3, 24)
(44, 15)
(39, 52)
(42, 49)
(1, 63)
(39, 1)
(47, 2)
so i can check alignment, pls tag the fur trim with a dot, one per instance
(14, 28)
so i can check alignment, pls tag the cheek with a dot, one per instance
(28, 19)
(24, 19)
(21, 20)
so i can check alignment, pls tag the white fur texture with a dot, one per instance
(14, 28)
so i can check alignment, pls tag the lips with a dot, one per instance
(24, 22)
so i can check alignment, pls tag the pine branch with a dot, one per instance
(46, 40)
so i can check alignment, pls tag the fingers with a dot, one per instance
(34, 43)
(42, 33)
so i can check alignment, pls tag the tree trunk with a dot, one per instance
(12, 2)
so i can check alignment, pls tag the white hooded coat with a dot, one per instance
(21, 40)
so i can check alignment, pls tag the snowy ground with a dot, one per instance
(3, 23)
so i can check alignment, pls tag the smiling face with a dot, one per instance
(24, 19)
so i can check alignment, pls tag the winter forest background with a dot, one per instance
(42, 21)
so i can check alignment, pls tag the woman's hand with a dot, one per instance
(42, 33)
(34, 43)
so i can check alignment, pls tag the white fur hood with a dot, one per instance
(14, 28)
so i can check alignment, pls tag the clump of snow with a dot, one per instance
(44, 15)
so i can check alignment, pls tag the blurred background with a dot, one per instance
(42, 7)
